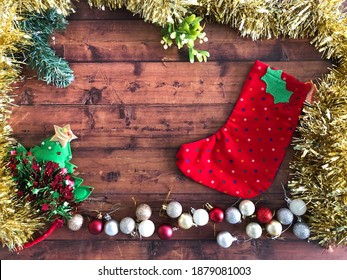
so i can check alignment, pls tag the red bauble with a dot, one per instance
(95, 226)
(165, 231)
(264, 215)
(216, 215)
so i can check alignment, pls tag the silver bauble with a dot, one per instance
(274, 228)
(111, 227)
(246, 207)
(225, 239)
(174, 209)
(301, 230)
(146, 228)
(143, 212)
(254, 230)
(200, 217)
(127, 225)
(232, 215)
(298, 207)
(75, 223)
(185, 221)
(285, 216)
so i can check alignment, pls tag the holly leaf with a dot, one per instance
(276, 86)
(81, 193)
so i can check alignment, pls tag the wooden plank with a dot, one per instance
(155, 83)
(142, 172)
(131, 40)
(84, 12)
(173, 250)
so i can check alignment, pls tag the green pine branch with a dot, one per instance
(39, 55)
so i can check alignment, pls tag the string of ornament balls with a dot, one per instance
(259, 220)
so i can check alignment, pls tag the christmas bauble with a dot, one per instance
(264, 215)
(246, 207)
(225, 239)
(216, 215)
(274, 228)
(143, 212)
(232, 215)
(111, 227)
(95, 226)
(146, 228)
(284, 216)
(76, 222)
(253, 230)
(165, 231)
(200, 217)
(301, 230)
(174, 209)
(127, 225)
(298, 207)
(185, 221)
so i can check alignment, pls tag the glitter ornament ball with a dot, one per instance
(285, 216)
(111, 227)
(127, 225)
(301, 230)
(200, 217)
(174, 209)
(165, 231)
(225, 239)
(254, 230)
(232, 215)
(95, 226)
(185, 221)
(143, 212)
(216, 215)
(264, 215)
(146, 228)
(274, 228)
(75, 223)
(298, 207)
(246, 207)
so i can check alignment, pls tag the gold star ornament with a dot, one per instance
(63, 135)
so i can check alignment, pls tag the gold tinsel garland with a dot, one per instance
(18, 219)
(319, 171)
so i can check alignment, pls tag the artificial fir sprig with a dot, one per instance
(186, 32)
(39, 55)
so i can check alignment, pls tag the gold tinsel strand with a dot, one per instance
(331, 39)
(29, 6)
(18, 219)
(256, 19)
(299, 18)
(319, 171)
(158, 12)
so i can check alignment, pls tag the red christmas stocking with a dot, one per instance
(242, 158)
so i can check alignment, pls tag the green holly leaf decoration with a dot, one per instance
(81, 193)
(276, 86)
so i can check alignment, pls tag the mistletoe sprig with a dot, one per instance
(186, 32)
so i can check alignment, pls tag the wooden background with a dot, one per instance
(132, 105)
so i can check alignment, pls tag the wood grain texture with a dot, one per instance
(132, 105)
